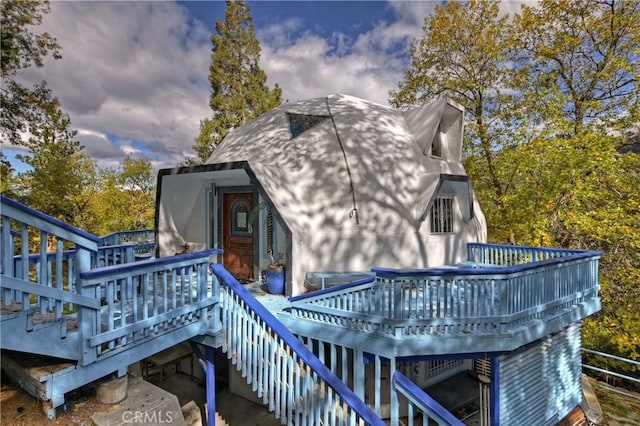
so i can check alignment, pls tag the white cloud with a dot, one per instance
(367, 66)
(137, 70)
(133, 76)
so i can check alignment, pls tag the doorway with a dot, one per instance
(237, 235)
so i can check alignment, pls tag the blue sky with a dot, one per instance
(133, 75)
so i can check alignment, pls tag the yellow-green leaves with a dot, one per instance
(551, 94)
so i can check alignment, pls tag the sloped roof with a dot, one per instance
(340, 158)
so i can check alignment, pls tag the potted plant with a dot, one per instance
(274, 274)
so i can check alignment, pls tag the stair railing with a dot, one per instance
(295, 385)
(141, 301)
(420, 402)
(36, 265)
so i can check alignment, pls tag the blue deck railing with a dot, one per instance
(480, 296)
(139, 236)
(143, 241)
(297, 387)
(145, 299)
(59, 272)
(36, 250)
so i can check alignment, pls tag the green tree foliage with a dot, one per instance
(125, 199)
(587, 52)
(7, 179)
(463, 55)
(550, 95)
(21, 48)
(61, 177)
(62, 181)
(239, 90)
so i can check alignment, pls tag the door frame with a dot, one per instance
(247, 189)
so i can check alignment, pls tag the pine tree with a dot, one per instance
(239, 90)
(61, 175)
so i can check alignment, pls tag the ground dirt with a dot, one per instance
(618, 409)
(18, 408)
(21, 409)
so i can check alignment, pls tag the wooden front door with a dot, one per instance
(237, 238)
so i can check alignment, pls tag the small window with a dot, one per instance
(240, 218)
(300, 123)
(442, 215)
(436, 145)
(269, 224)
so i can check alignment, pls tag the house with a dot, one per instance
(442, 324)
(317, 180)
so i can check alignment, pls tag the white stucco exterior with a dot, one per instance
(352, 192)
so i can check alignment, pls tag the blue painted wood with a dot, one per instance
(120, 271)
(22, 213)
(211, 387)
(542, 380)
(124, 320)
(423, 402)
(320, 293)
(135, 236)
(458, 301)
(87, 317)
(28, 287)
(494, 396)
(281, 344)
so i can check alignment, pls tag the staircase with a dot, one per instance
(95, 310)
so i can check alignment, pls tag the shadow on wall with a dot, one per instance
(346, 187)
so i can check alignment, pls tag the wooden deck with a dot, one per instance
(99, 310)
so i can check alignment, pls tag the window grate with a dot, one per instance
(442, 215)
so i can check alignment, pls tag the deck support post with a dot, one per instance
(394, 403)
(494, 397)
(211, 388)
(358, 373)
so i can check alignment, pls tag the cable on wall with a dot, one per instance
(354, 211)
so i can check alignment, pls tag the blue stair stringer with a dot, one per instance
(58, 301)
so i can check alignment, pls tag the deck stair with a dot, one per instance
(95, 308)
(342, 355)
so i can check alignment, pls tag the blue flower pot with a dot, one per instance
(275, 280)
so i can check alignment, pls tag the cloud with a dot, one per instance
(366, 65)
(134, 75)
(137, 70)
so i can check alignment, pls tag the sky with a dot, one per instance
(134, 74)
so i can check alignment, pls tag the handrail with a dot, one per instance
(489, 269)
(132, 236)
(29, 216)
(458, 300)
(613, 373)
(422, 401)
(123, 270)
(320, 293)
(144, 299)
(509, 255)
(54, 268)
(293, 360)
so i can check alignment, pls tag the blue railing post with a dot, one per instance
(87, 317)
(7, 265)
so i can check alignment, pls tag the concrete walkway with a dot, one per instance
(233, 409)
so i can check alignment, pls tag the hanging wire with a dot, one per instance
(354, 212)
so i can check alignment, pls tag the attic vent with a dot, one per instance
(299, 123)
